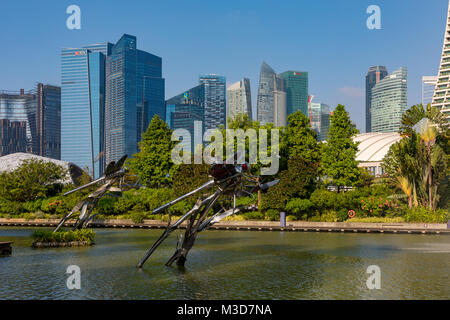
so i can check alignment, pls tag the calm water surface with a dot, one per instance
(231, 265)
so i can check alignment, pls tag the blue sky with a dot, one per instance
(329, 39)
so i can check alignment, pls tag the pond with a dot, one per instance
(231, 265)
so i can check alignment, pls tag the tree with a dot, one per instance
(300, 139)
(33, 179)
(339, 153)
(153, 163)
(298, 181)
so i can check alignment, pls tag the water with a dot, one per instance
(231, 265)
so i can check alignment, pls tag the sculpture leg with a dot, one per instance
(180, 255)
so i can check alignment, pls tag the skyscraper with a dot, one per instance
(272, 99)
(389, 101)
(441, 98)
(215, 100)
(15, 128)
(134, 94)
(296, 90)
(239, 100)
(83, 106)
(320, 120)
(428, 86)
(374, 75)
(44, 114)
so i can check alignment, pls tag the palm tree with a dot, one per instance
(428, 136)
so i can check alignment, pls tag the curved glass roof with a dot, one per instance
(373, 146)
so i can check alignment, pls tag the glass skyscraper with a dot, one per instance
(389, 101)
(239, 100)
(296, 90)
(320, 120)
(134, 94)
(83, 106)
(272, 97)
(215, 112)
(374, 75)
(183, 110)
(15, 124)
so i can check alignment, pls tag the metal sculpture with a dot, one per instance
(229, 178)
(114, 173)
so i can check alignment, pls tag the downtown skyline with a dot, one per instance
(347, 47)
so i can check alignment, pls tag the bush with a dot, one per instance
(86, 235)
(342, 215)
(422, 214)
(299, 207)
(253, 215)
(272, 215)
(378, 206)
(11, 207)
(138, 217)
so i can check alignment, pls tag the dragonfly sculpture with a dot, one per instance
(114, 174)
(228, 179)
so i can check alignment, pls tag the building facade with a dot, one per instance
(374, 75)
(45, 121)
(428, 85)
(15, 125)
(239, 99)
(389, 101)
(441, 98)
(185, 110)
(134, 94)
(296, 83)
(272, 97)
(83, 106)
(320, 120)
(214, 101)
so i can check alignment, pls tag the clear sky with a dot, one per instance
(327, 38)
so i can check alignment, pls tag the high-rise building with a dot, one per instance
(45, 121)
(296, 90)
(320, 120)
(374, 75)
(441, 98)
(83, 106)
(389, 101)
(239, 100)
(15, 124)
(215, 100)
(134, 94)
(183, 110)
(428, 85)
(270, 91)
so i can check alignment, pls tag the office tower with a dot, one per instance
(83, 106)
(45, 121)
(389, 101)
(320, 120)
(374, 75)
(215, 100)
(279, 102)
(239, 100)
(441, 98)
(134, 94)
(183, 110)
(15, 128)
(271, 102)
(428, 85)
(297, 91)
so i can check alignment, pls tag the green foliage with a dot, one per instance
(378, 206)
(86, 235)
(272, 215)
(422, 214)
(253, 215)
(300, 140)
(33, 179)
(153, 163)
(138, 217)
(298, 181)
(299, 207)
(339, 153)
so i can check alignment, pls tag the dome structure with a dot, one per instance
(372, 148)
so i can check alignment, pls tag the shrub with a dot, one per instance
(138, 217)
(299, 207)
(86, 235)
(11, 207)
(422, 214)
(342, 215)
(253, 215)
(272, 215)
(377, 206)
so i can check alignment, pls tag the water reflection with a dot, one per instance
(231, 265)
